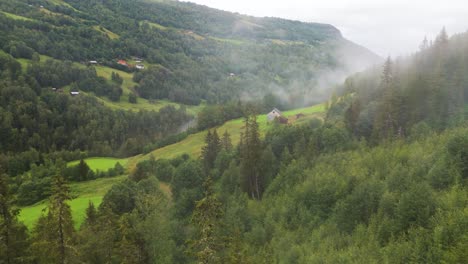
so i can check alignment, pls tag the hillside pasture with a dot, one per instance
(192, 144)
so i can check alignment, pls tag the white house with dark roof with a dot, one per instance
(275, 113)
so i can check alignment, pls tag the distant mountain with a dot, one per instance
(193, 52)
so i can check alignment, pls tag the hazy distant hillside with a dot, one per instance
(193, 53)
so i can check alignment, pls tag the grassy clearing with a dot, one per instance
(82, 193)
(107, 32)
(127, 86)
(101, 164)
(192, 144)
(16, 17)
(230, 41)
(154, 25)
(106, 72)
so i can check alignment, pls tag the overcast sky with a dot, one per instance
(393, 28)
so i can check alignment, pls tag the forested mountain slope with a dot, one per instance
(197, 53)
(191, 54)
(382, 179)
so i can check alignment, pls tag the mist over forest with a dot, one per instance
(136, 131)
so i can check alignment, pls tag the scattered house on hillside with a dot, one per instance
(74, 93)
(122, 62)
(273, 114)
(140, 66)
(93, 62)
(232, 74)
(54, 89)
(276, 115)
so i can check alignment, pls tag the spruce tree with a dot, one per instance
(13, 234)
(226, 141)
(83, 170)
(54, 233)
(91, 215)
(250, 156)
(207, 218)
(211, 150)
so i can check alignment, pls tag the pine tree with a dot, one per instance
(226, 141)
(91, 215)
(250, 157)
(424, 44)
(127, 248)
(98, 241)
(13, 234)
(211, 150)
(206, 217)
(83, 170)
(386, 123)
(54, 233)
(352, 116)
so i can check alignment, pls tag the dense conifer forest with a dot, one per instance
(380, 177)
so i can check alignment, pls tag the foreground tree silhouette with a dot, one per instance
(54, 233)
(250, 150)
(13, 236)
(207, 216)
(211, 150)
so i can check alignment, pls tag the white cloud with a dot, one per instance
(386, 27)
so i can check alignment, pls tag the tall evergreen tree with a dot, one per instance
(54, 233)
(211, 150)
(250, 157)
(83, 170)
(13, 234)
(387, 120)
(226, 141)
(207, 216)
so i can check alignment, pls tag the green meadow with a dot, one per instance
(82, 192)
(142, 104)
(101, 163)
